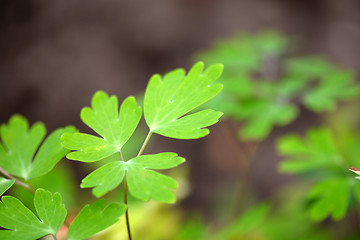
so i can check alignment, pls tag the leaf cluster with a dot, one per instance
(169, 109)
(322, 159)
(24, 154)
(168, 102)
(265, 83)
(263, 221)
(50, 215)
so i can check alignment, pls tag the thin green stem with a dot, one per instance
(127, 210)
(18, 182)
(126, 186)
(145, 143)
(125, 201)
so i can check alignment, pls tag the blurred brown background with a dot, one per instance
(55, 54)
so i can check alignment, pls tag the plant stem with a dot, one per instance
(127, 209)
(125, 201)
(126, 187)
(18, 182)
(121, 156)
(145, 143)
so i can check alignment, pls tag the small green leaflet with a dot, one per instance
(258, 126)
(19, 145)
(95, 218)
(309, 67)
(104, 118)
(335, 86)
(329, 198)
(5, 184)
(167, 100)
(143, 183)
(24, 224)
(317, 151)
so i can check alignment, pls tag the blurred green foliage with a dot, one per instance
(265, 83)
(319, 157)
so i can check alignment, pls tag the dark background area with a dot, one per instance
(55, 54)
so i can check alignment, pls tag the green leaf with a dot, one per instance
(273, 113)
(50, 153)
(330, 197)
(317, 151)
(95, 218)
(5, 184)
(19, 145)
(167, 100)
(105, 178)
(292, 144)
(308, 67)
(240, 86)
(336, 86)
(104, 118)
(50, 209)
(24, 224)
(143, 183)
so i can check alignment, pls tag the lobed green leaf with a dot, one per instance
(143, 183)
(95, 218)
(105, 178)
(330, 197)
(258, 126)
(334, 87)
(167, 100)
(24, 224)
(114, 127)
(317, 150)
(50, 153)
(19, 145)
(50, 209)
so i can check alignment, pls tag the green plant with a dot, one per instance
(21, 159)
(167, 104)
(323, 159)
(265, 83)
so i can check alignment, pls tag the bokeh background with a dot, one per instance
(55, 54)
